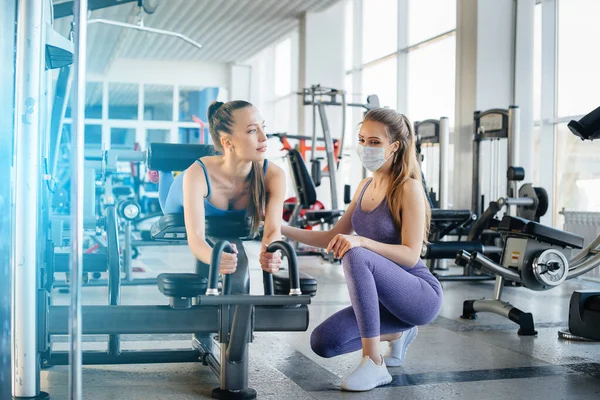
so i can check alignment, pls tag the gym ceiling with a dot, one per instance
(228, 30)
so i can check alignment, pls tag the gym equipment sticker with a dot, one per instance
(514, 259)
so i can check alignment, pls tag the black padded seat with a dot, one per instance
(169, 227)
(592, 304)
(318, 215)
(182, 285)
(541, 232)
(172, 227)
(281, 283)
(457, 216)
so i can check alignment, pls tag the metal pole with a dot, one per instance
(475, 194)
(444, 166)
(7, 107)
(29, 67)
(344, 106)
(313, 147)
(77, 141)
(330, 157)
(514, 120)
(127, 247)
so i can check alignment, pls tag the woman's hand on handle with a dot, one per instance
(270, 262)
(228, 263)
(340, 244)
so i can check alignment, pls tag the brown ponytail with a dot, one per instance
(220, 121)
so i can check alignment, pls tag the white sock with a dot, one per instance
(396, 352)
(366, 376)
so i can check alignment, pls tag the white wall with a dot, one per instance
(192, 73)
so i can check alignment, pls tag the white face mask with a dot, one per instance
(372, 157)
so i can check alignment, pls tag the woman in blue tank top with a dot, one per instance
(239, 182)
(391, 289)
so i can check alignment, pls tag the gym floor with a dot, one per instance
(450, 358)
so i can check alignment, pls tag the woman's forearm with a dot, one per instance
(270, 237)
(398, 253)
(201, 250)
(311, 238)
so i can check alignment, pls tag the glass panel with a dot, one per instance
(429, 18)
(537, 63)
(194, 102)
(350, 128)
(123, 100)
(431, 80)
(157, 135)
(282, 115)
(192, 136)
(578, 57)
(577, 174)
(283, 68)
(536, 155)
(158, 103)
(381, 79)
(92, 136)
(349, 35)
(380, 29)
(93, 101)
(122, 138)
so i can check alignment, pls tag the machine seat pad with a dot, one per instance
(169, 227)
(281, 283)
(592, 304)
(182, 285)
(172, 227)
(541, 232)
(317, 215)
(456, 216)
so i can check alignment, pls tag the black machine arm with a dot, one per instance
(587, 127)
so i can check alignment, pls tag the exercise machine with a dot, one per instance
(222, 318)
(491, 127)
(433, 142)
(539, 258)
(319, 97)
(433, 149)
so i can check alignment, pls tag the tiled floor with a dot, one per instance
(451, 358)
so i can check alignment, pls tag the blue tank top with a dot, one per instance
(209, 209)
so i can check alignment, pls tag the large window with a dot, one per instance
(537, 62)
(284, 98)
(577, 174)
(158, 103)
(578, 56)
(430, 18)
(381, 79)
(431, 80)
(283, 68)
(349, 35)
(380, 29)
(123, 100)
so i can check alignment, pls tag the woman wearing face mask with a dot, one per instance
(391, 289)
(238, 183)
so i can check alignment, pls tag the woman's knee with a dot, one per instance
(356, 258)
(322, 344)
(429, 314)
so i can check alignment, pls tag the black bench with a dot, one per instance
(516, 226)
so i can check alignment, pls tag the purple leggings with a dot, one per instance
(386, 298)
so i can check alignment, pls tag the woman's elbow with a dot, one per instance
(413, 257)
